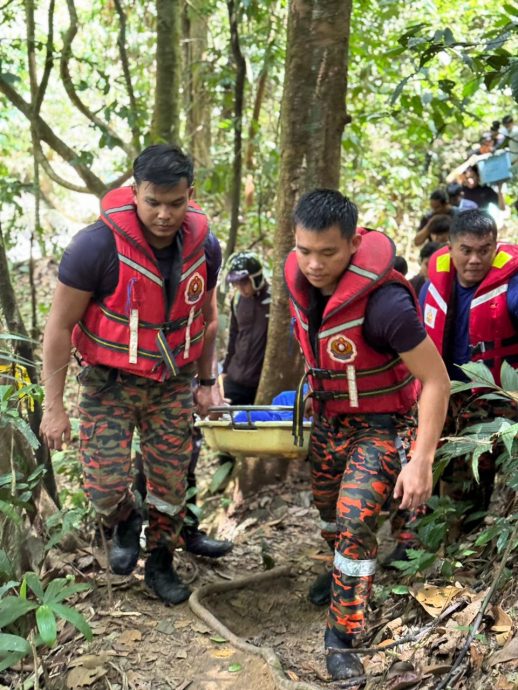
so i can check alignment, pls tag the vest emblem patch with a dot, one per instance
(341, 349)
(194, 289)
(430, 314)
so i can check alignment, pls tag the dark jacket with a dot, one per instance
(247, 337)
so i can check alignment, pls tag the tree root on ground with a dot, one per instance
(267, 653)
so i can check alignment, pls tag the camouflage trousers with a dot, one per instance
(112, 405)
(355, 462)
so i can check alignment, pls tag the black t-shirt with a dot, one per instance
(391, 321)
(483, 195)
(90, 261)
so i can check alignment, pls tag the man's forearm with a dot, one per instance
(56, 356)
(206, 359)
(433, 404)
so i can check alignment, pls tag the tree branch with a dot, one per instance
(94, 184)
(49, 60)
(121, 42)
(43, 161)
(66, 55)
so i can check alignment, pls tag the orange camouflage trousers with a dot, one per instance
(112, 405)
(355, 461)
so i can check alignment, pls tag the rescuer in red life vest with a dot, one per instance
(136, 298)
(470, 310)
(367, 356)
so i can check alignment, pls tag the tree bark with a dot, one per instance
(313, 117)
(165, 124)
(197, 95)
(239, 95)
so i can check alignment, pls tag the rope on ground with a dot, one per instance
(267, 653)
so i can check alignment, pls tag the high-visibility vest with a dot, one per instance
(493, 336)
(346, 374)
(131, 329)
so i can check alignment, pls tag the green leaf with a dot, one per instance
(11, 660)
(218, 639)
(509, 377)
(400, 589)
(7, 586)
(58, 590)
(72, 616)
(46, 622)
(508, 437)
(479, 373)
(219, 476)
(235, 668)
(34, 583)
(9, 510)
(12, 608)
(14, 643)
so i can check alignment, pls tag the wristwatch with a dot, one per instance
(207, 382)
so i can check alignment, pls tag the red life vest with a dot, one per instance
(130, 329)
(493, 336)
(346, 374)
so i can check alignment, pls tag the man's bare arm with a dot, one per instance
(68, 307)
(205, 396)
(414, 484)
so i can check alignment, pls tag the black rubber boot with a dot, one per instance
(197, 542)
(320, 590)
(161, 577)
(341, 666)
(125, 547)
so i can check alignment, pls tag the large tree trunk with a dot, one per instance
(239, 94)
(165, 124)
(197, 95)
(313, 117)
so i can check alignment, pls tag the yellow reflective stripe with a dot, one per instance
(501, 259)
(443, 263)
(378, 370)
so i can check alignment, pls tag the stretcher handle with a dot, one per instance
(249, 424)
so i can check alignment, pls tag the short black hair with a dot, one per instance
(401, 265)
(507, 119)
(439, 195)
(320, 209)
(474, 222)
(453, 189)
(164, 165)
(439, 224)
(429, 249)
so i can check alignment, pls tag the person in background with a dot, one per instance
(400, 265)
(439, 206)
(483, 195)
(249, 313)
(420, 278)
(510, 131)
(136, 298)
(367, 356)
(470, 311)
(456, 198)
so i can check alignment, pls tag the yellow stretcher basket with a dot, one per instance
(253, 438)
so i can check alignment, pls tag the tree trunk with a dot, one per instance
(239, 94)
(165, 125)
(313, 117)
(197, 95)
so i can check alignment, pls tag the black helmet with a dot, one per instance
(245, 265)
